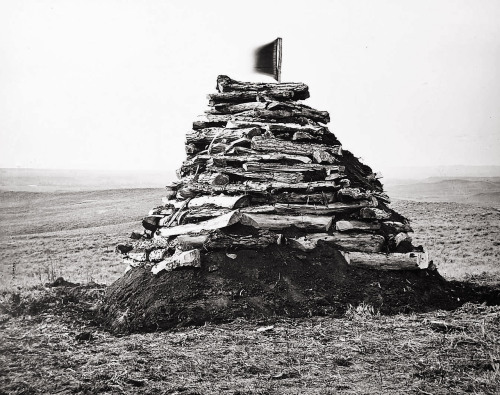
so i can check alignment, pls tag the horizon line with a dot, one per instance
(157, 170)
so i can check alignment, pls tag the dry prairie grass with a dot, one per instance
(70, 234)
(73, 235)
(364, 353)
(462, 240)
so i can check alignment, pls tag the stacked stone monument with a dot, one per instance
(263, 168)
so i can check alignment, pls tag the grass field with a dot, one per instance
(69, 234)
(73, 234)
(359, 354)
(462, 239)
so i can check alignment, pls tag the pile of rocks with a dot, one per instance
(262, 168)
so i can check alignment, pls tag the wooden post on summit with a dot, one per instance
(279, 46)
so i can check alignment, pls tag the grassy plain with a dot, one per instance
(463, 240)
(43, 236)
(69, 234)
(73, 235)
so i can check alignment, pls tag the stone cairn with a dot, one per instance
(262, 168)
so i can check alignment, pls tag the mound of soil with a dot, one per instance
(74, 302)
(262, 285)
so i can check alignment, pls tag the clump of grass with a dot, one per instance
(363, 310)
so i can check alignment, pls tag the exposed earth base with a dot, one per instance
(263, 285)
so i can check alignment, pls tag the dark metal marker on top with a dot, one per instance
(268, 59)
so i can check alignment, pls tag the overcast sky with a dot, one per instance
(116, 84)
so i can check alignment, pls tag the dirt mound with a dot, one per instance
(74, 302)
(262, 285)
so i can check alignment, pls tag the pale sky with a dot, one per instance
(116, 84)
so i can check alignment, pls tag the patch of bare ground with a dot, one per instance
(53, 351)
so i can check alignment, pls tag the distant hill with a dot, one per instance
(49, 180)
(482, 191)
(393, 173)
(24, 213)
(490, 199)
